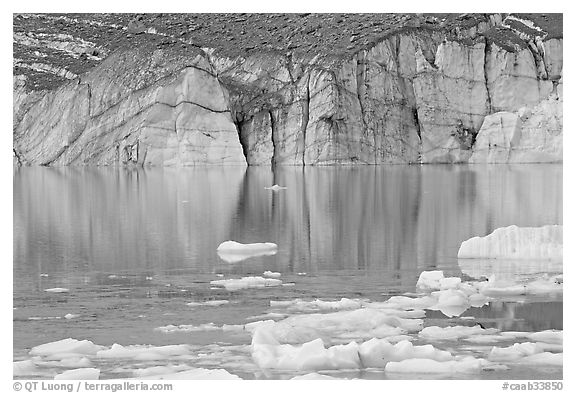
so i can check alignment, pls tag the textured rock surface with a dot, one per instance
(405, 89)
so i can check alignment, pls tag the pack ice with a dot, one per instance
(516, 243)
(231, 251)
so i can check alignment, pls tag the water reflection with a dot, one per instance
(371, 218)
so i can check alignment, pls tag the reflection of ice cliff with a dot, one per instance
(385, 218)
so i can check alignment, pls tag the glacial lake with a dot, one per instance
(134, 246)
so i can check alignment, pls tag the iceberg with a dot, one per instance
(57, 290)
(143, 352)
(24, 367)
(79, 373)
(378, 352)
(235, 284)
(232, 252)
(66, 348)
(195, 374)
(514, 242)
(430, 366)
(275, 187)
(312, 355)
(211, 303)
(312, 376)
(453, 332)
(514, 352)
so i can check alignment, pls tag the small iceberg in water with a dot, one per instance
(275, 187)
(231, 251)
(515, 243)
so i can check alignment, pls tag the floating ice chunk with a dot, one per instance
(547, 336)
(408, 302)
(231, 251)
(270, 274)
(270, 315)
(207, 327)
(317, 304)
(75, 362)
(363, 323)
(430, 279)
(313, 376)
(311, 355)
(246, 282)
(486, 338)
(544, 358)
(24, 367)
(80, 373)
(212, 303)
(451, 302)
(275, 187)
(514, 352)
(188, 328)
(66, 346)
(378, 352)
(143, 352)
(195, 374)
(430, 366)
(57, 290)
(453, 332)
(159, 370)
(516, 243)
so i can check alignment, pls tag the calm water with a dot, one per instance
(134, 246)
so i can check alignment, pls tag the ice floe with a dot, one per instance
(275, 187)
(316, 305)
(143, 352)
(514, 352)
(453, 332)
(66, 348)
(430, 366)
(79, 373)
(515, 242)
(211, 303)
(24, 368)
(378, 352)
(544, 358)
(231, 251)
(57, 290)
(313, 376)
(195, 374)
(199, 328)
(235, 284)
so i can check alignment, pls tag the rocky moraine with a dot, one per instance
(287, 89)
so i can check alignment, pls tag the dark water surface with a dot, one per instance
(134, 246)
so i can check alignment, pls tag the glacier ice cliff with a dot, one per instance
(416, 95)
